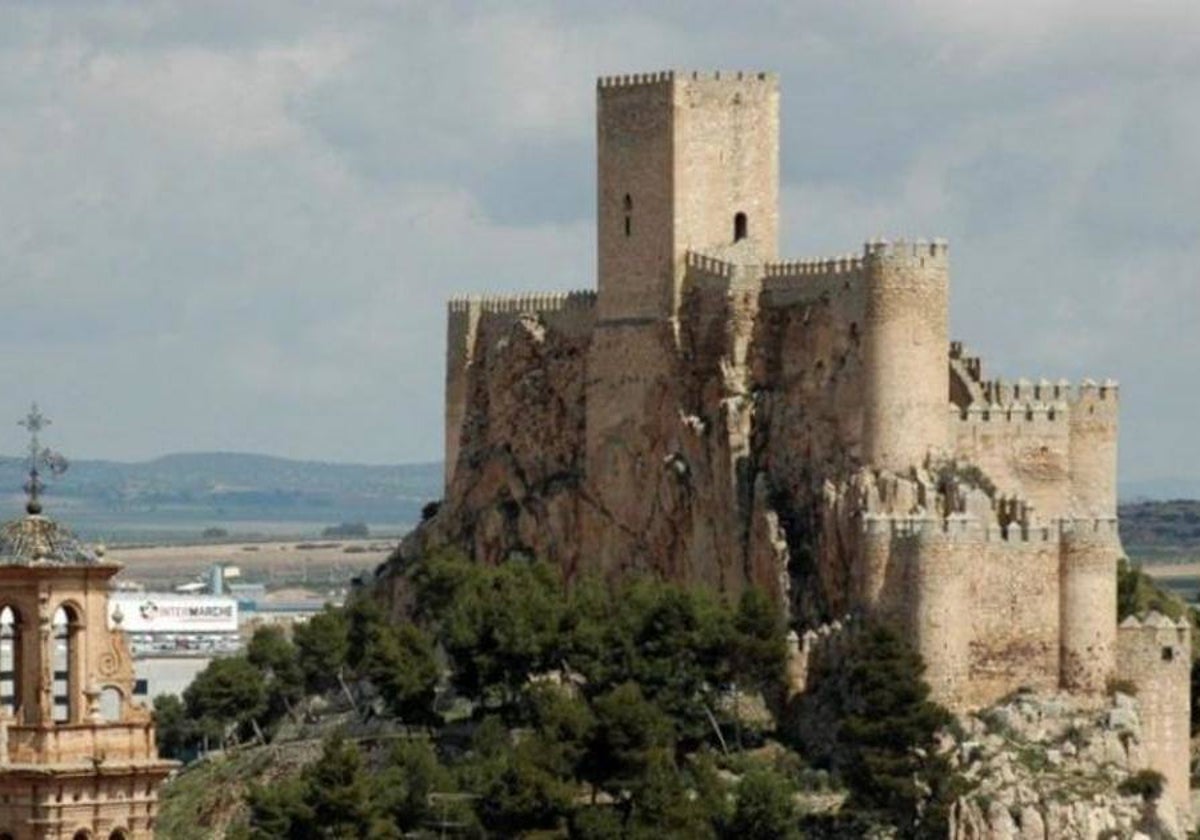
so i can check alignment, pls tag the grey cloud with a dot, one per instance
(231, 226)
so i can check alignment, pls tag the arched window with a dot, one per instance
(117, 834)
(65, 624)
(740, 227)
(10, 660)
(82, 834)
(627, 204)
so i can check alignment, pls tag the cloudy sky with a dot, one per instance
(233, 226)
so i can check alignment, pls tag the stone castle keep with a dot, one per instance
(715, 414)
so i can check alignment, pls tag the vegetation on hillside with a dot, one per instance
(523, 710)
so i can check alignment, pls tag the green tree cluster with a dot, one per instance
(593, 711)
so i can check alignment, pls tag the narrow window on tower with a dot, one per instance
(739, 227)
(628, 205)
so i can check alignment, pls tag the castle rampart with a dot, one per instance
(1155, 655)
(716, 415)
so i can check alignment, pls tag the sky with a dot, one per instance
(233, 226)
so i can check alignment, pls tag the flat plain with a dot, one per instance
(282, 563)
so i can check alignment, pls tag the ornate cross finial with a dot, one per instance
(34, 422)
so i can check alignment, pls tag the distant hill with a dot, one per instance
(177, 495)
(1161, 530)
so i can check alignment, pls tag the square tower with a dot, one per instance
(686, 161)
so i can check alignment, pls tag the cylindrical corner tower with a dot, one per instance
(940, 609)
(1088, 605)
(1093, 449)
(905, 351)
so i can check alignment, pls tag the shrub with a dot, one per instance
(1147, 784)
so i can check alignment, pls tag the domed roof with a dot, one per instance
(39, 540)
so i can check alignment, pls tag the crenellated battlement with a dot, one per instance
(968, 529)
(807, 268)
(524, 302)
(1154, 622)
(906, 249)
(1004, 393)
(1032, 412)
(666, 76)
(817, 650)
(977, 512)
(712, 266)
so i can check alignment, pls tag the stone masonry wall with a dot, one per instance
(1155, 654)
(715, 416)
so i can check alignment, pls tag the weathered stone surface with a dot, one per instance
(1048, 767)
(713, 415)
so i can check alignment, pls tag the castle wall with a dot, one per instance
(517, 430)
(1014, 610)
(905, 337)
(1156, 656)
(1023, 448)
(714, 416)
(568, 314)
(1088, 616)
(808, 367)
(462, 321)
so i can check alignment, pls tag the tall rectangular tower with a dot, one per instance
(685, 161)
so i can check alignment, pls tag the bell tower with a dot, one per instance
(78, 759)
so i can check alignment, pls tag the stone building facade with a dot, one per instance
(712, 413)
(78, 759)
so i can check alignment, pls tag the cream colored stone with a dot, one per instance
(716, 416)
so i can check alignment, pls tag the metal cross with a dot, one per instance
(34, 422)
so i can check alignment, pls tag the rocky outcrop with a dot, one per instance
(1045, 767)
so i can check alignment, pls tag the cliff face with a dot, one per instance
(1048, 768)
(723, 454)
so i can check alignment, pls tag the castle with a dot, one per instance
(713, 413)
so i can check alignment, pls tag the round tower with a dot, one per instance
(1093, 448)
(905, 353)
(1088, 605)
(940, 607)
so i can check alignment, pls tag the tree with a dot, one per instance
(887, 731)
(281, 809)
(339, 791)
(765, 809)
(399, 660)
(628, 729)
(402, 788)
(502, 626)
(660, 806)
(758, 651)
(322, 645)
(173, 730)
(228, 692)
(276, 657)
(1137, 594)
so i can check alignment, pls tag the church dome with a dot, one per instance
(39, 540)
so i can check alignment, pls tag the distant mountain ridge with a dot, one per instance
(181, 492)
